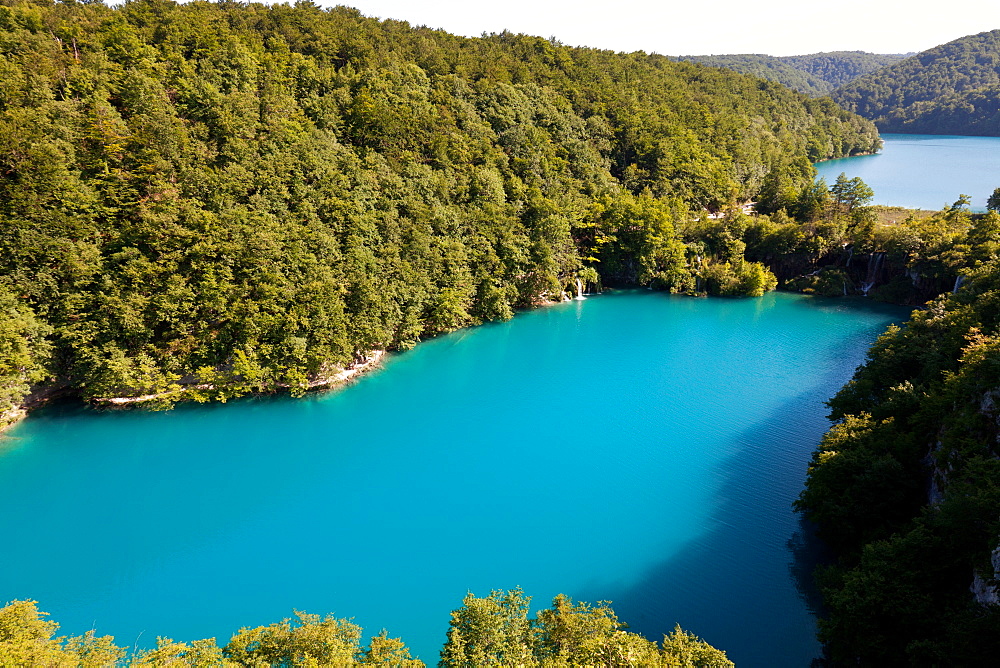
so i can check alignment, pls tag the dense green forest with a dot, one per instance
(815, 74)
(772, 68)
(207, 199)
(905, 260)
(950, 89)
(837, 68)
(905, 487)
(490, 631)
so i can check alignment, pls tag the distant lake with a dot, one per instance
(925, 171)
(634, 447)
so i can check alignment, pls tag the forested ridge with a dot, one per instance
(203, 200)
(494, 630)
(772, 68)
(815, 74)
(838, 68)
(953, 88)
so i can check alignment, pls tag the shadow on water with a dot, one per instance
(860, 304)
(62, 407)
(752, 559)
(728, 585)
(808, 554)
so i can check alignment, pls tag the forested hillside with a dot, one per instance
(814, 74)
(772, 68)
(950, 89)
(204, 200)
(837, 68)
(906, 486)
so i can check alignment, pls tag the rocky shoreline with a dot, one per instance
(44, 394)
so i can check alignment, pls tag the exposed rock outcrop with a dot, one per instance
(984, 588)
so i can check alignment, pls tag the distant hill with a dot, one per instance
(838, 68)
(771, 68)
(950, 89)
(815, 74)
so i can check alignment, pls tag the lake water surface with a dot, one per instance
(634, 447)
(925, 171)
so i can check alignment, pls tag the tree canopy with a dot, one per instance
(490, 631)
(815, 74)
(203, 200)
(950, 89)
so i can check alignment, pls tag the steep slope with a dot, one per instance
(950, 89)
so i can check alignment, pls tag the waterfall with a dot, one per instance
(874, 267)
(959, 280)
(579, 289)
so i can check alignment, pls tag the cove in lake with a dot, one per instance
(925, 171)
(635, 447)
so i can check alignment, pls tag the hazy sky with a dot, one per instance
(696, 27)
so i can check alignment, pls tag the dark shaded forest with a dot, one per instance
(906, 485)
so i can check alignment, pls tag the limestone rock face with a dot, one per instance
(984, 590)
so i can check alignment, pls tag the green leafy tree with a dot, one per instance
(490, 631)
(496, 630)
(993, 201)
(27, 639)
(310, 640)
(849, 194)
(24, 352)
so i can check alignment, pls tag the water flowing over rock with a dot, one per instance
(875, 263)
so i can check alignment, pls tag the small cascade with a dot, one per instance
(845, 288)
(850, 254)
(579, 289)
(874, 267)
(959, 280)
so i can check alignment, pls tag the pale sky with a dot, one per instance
(698, 27)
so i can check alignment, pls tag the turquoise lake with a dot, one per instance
(925, 171)
(634, 447)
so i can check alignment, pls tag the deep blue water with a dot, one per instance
(635, 447)
(925, 171)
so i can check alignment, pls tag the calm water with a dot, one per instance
(638, 448)
(925, 171)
